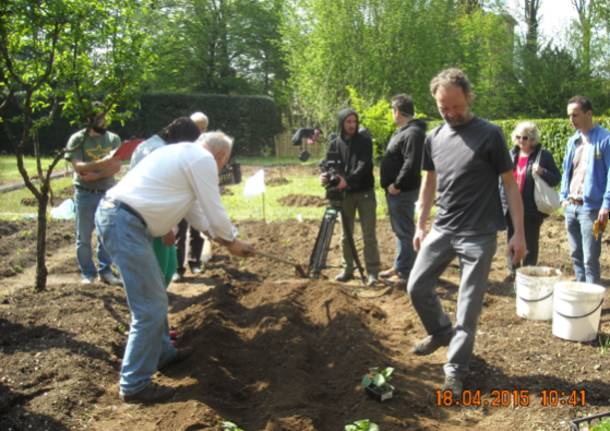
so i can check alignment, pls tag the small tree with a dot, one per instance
(55, 57)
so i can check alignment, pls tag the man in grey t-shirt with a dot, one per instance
(90, 151)
(463, 158)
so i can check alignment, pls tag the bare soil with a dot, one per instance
(302, 201)
(274, 351)
(56, 198)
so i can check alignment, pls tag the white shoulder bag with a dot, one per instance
(545, 196)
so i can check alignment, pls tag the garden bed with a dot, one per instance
(275, 352)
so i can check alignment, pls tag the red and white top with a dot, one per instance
(520, 171)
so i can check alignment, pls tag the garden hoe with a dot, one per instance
(298, 268)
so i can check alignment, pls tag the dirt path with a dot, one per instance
(275, 352)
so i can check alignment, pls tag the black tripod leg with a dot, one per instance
(352, 246)
(317, 260)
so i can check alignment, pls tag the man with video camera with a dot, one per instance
(347, 173)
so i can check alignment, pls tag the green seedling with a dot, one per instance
(362, 425)
(230, 426)
(604, 344)
(377, 383)
(377, 377)
(121, 328)
(602, 426)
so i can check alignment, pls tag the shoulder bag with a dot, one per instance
(545, 196)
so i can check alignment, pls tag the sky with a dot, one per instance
(555, 17)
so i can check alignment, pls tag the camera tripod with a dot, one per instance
(317, 260)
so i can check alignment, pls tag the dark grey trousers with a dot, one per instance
(366, 205)
(475, 254)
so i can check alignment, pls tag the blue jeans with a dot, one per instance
(85, 203)
(131, 247)
(402, 212)
(585, 250)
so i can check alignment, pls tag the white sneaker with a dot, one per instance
(110, 278)
(87, 280)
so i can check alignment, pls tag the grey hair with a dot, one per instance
(528, 128)
(201, 120)
(216, 142)
(452, 77)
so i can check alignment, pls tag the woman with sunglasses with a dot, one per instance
(528, 156)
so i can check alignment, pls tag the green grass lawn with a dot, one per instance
(242, 208)
(273, 161)
(10, 174)
(10, 203)
(238, 206)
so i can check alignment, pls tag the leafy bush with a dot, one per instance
(377, 118)
(252, 120)
(554, 133)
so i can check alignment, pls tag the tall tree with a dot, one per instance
(218, 46)
(532, 20)
(57, 55)
(379, 47)
(586, 10)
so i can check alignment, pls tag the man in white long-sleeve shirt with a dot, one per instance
(174, 182)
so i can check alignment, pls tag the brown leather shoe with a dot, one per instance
(153, 393)
(388, 273)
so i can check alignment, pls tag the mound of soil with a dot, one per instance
(18, 243)
(303, 201)
(277, 181)
(57, 198)
(277, 352)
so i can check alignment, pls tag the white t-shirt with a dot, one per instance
(174, 182)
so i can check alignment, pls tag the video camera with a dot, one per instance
(332, 168)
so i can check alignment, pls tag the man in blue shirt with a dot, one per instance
(585, 188)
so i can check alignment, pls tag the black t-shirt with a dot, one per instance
(467, 160)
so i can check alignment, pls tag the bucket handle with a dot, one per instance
(531, 300)
(584, 315)
(536, 300)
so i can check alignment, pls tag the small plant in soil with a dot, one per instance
(362, 425)
(604, 344)
(230, 426)
(602, 426)
(377, 385)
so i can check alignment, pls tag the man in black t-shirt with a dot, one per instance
(463, 158)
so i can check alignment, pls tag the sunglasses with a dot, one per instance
(525, 138)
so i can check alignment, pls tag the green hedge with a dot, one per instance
(554, 133)
(253, 121)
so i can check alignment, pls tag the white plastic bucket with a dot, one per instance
(534, 291)
(577, 308)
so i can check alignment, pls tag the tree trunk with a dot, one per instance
(41, 242)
